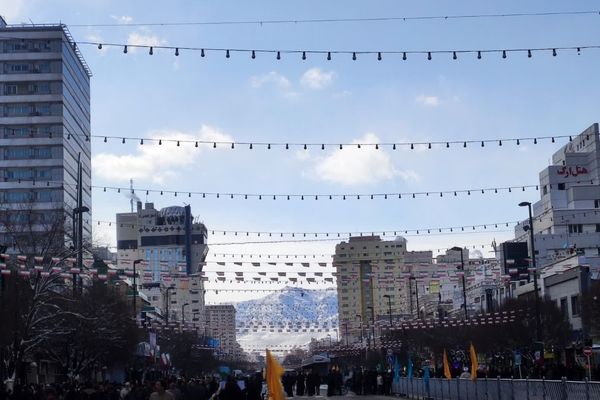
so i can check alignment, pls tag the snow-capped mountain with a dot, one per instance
(289, 317)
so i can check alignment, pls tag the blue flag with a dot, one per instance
(409, 367)
(396, 370)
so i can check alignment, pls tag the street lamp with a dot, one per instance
(462, 267)
(78, 238)
(538, 323)
(372, 323)
(135, 262)
(183, 306)
(389, 309)
(168, 301)
(359, 316)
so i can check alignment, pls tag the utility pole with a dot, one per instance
(134, 287)
(538, 322)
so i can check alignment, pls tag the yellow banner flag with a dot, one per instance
(474, 363)
(273, 377)
(447, 373)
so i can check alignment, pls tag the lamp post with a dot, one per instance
(389, 310)
(183, 306)
(538, 323)
(372, 324)
(346, 332)
(168, 301)
(410, 291)
(78, 239)
(462, 268)
(134, 287)
(361, 328)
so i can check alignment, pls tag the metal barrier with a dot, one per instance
(496, 389)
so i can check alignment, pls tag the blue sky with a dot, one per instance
(340, 100)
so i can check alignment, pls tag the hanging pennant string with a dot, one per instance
(340, 20)
(354, 54)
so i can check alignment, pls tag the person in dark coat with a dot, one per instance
(254, 389)
(300, 383)
(288, 381)
(231, 391)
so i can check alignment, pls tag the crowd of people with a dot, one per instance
(205, 388)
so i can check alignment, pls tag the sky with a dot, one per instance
(336, 101)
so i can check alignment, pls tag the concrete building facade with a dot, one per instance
(170, 248)
(374, 284)
(220, 320)
(567, 215)
(44, 128)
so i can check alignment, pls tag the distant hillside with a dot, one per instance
(288, 317)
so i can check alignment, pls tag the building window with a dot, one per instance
(545, 189)
(575, 228)
(575, 305)
(564, 308)
(596, 203)
(561, 186)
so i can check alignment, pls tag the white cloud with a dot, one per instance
(123, 19)
(154, 162)
(12, 9)
(316, 79)
(354, 166)
(272, 77)
(302, 155)
(431, 101)
(144, 39)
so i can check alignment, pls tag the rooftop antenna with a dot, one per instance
(131, 196)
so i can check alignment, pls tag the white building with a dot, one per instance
(220, 325)
(567, 216)
(44, 129)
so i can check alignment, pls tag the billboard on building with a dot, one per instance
(515, 257)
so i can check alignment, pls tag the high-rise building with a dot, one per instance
(168, 240)
(374, 284)
(168, 249)
(220, 322)
(566, 219)
(44, 129)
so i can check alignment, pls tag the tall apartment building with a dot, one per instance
(44, 128)
(220, 322)
(567, 216)
(168, 240)
(170, 249)
(374, 277)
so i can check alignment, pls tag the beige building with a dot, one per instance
(374, 284)
(220, 325)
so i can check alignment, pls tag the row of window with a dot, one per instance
(30, 45)
(28, 88)
(25, 67)
(29, 110)
(26, 196)
(27, 174)
(24, 153)
(21, 131)
(578, 228)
